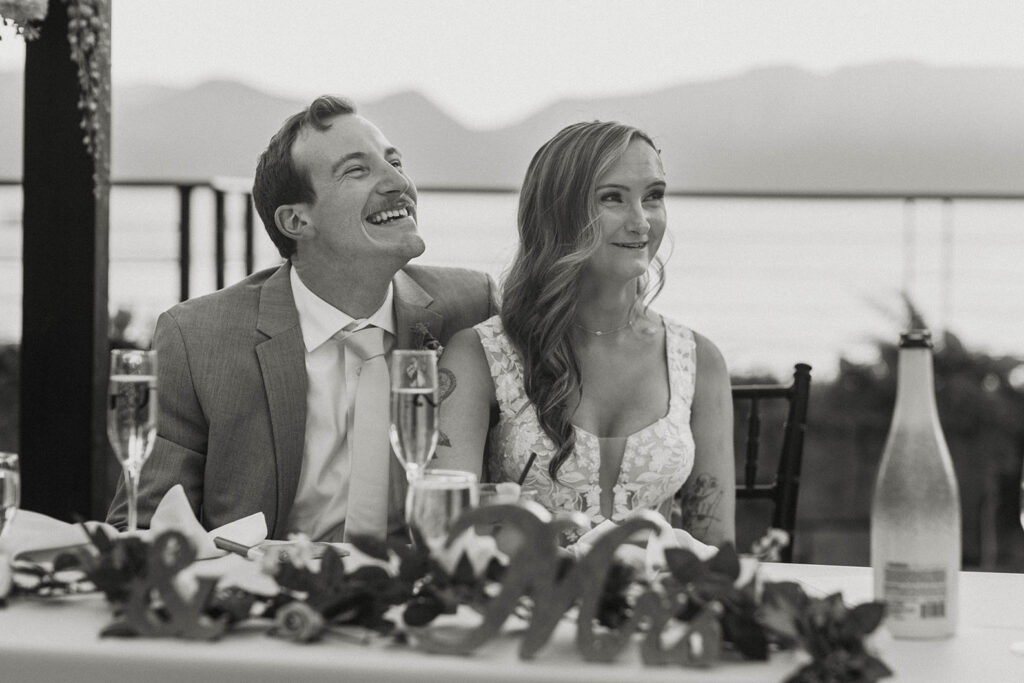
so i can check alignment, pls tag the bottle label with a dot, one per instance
(915, 591)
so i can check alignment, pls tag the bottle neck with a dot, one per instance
(915, 386)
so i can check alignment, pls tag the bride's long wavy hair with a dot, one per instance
(558, 232)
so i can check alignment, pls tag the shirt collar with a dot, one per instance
(320, 320)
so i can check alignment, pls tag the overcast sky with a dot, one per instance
(488, 62)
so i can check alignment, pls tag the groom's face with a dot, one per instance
(365, 206)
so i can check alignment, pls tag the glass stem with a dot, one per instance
(131, 483)
(408, 511)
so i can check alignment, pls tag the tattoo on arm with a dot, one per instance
(699, 505)
(445, 386)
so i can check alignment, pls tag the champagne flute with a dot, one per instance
(436, 499)
(131, 417)
(414, 405)
(10, 490)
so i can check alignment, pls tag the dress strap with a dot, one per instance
(504, 364)
(681, 351)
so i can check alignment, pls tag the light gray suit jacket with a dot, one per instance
(232, 391)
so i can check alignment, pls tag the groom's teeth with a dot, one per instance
(388, 215)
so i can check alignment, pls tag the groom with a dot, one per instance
(258, 382)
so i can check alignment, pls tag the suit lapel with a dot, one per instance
(412, 314)
(282, 361)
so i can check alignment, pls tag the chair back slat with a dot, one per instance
(753, 444)
(784, 490)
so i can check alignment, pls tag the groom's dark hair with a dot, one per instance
(278, 180)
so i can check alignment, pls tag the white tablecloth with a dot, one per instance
(58, 640)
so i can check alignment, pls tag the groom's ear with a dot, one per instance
(293, 221)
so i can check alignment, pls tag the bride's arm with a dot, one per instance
(709, 495)
(467, 395)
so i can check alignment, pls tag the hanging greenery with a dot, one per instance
(89, 38)
(24, 15)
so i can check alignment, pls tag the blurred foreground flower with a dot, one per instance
(829, 631)
(768, 547)
(299, 622)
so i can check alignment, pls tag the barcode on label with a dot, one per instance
(932, 610)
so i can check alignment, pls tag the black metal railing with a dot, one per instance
(223, 187)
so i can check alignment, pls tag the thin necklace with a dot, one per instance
(601, 333)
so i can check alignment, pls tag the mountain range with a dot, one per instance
(886, 127)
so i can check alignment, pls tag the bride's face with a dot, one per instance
(631, 214)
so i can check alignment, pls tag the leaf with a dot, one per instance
(873, 669)
(376, 548)
(785, 595)
(725, 561)
(683, 564)
(495, 570)
(343, 604)
(421, 611)
(867, 616)
(119, 629)
(808, 673)
(332, 569)
(233, 603)
(413, 562)
(98, 538)
(66, 561)
(779, 621)
(370, 574)
(746, 634)
(298, 579)
(464, 571)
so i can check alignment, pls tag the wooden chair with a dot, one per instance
(783, 491)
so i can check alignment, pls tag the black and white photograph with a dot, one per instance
(512, 340)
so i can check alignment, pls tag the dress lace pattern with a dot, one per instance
(657, 458)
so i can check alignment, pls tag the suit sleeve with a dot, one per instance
(179, 454)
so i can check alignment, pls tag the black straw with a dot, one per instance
(526, 470)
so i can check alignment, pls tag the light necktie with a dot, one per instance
(370, 449)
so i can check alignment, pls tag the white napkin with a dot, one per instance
(174, 512)
(646, 549)
(34, 531)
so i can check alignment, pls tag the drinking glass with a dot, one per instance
(502, 493)
(436, 499)
(10, 490)
(414, 403)
(131, 417)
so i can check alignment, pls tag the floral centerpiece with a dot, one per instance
(693, 613)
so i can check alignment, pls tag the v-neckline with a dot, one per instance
(670, 342)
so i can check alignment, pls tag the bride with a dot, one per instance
(622, 406)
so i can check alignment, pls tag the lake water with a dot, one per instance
(771, 281)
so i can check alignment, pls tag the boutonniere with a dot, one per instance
(427, 341)
(445, 377)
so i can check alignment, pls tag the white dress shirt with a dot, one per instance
(321, 500)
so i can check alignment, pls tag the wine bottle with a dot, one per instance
(915, 510)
